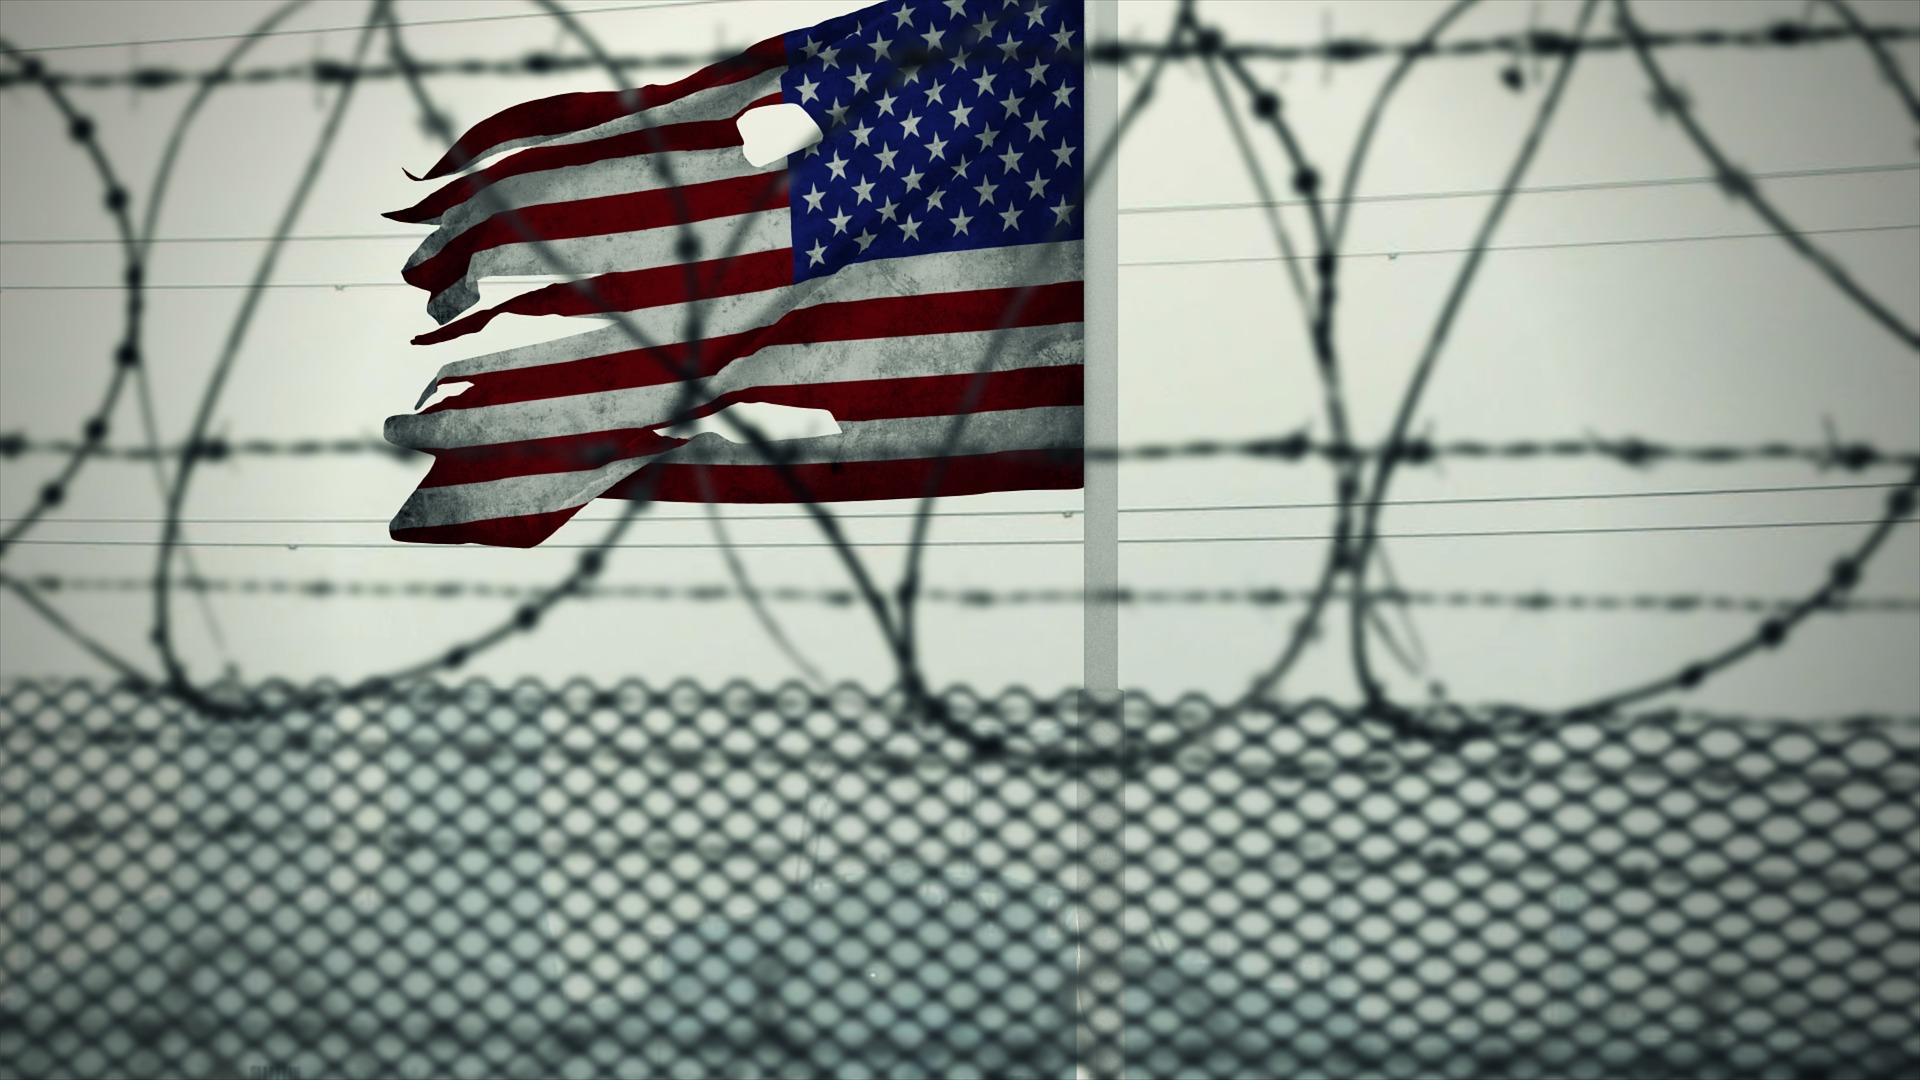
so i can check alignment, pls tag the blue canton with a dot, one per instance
(950, 124)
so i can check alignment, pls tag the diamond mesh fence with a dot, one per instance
(638, 881)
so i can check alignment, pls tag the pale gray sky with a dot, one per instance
(1728, 340)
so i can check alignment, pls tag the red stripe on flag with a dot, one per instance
(973, 474)
(632, 290)
(694, 135)
(630, 212)
(563, 113)
(524, 531)
(852, 320)
(566, 453)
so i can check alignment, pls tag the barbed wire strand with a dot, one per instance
(1344, 50)
(1534, 601)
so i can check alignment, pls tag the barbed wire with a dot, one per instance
(299, 542)
(1538, 601)
(1632, 451)
(1343, 50)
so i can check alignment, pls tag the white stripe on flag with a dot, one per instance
(516, 496)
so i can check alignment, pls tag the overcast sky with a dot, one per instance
(1612, 318)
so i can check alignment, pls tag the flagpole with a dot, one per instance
(1099, 1027)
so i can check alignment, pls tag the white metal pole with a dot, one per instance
(1100, 795)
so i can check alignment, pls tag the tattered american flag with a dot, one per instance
(921, 262)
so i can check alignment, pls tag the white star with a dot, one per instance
(865, 240)
(1060, 39)
(960, 170)
(1038, 71)
(984, 27)
(1008, 47)
(886, 154)
(1010, 218)
(985, 83)
(960, 222)
(1033, 128)
(960, 59)
(888, 209)
(913, 178)
(1061, 94)
(830, 57)
(813, 198)
(1038, 185)
(817, 253)
(880, 46)
(1010, 161)
(1063, 154)
(811, 48)
(911, 125)
(861, 133)
(1062, 212)
(910, 228)
(986, 137)
(838, 166)
(885, 104)
(937, 148)
(961, 114)
(1036, 15)
(986, 188)
(956, 7)
(905, 15)
(909, 73)
(934, 198)
(860, 79)
(1011, 104)
(863, 191)
(839, 220)
(837, 113)
(809, 90)
(933, 39)
(934, 92)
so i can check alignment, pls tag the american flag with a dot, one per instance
(921, 263)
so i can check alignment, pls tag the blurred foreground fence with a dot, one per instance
(636, 881)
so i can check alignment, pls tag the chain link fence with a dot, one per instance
(486, 881)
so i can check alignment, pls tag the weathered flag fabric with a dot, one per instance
(917, 273)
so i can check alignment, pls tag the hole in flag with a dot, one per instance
(437, 394)
(776, 422)
(771, 132)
